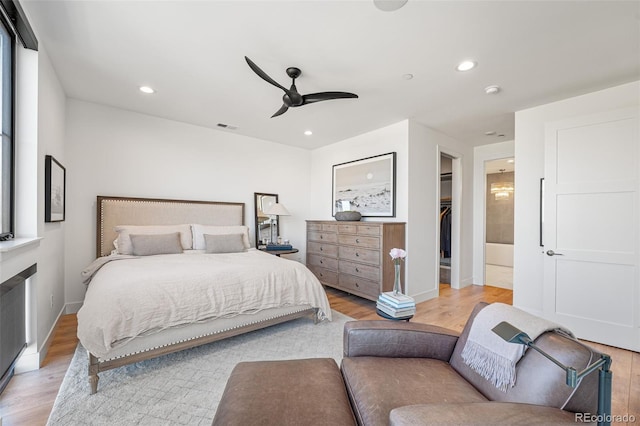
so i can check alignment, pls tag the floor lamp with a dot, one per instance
(274, 211)
(512, 334)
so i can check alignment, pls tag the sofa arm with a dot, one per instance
(396, 339)
(480, 413)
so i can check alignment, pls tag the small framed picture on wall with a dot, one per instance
(54, 190)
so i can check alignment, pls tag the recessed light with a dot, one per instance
(466, 65)
(407, 76)
(146, 89)
(308, 132)
(491, 90)
(490, 133)
(389, 5)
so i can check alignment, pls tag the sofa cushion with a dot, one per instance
(538, 380)
(480, 414)
(293, 392)
(377, 385)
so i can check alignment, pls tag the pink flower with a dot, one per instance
(397, 253)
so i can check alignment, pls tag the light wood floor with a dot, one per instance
(28, 398)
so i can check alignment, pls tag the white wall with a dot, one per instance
(425, 148)
(481, 154)
(529, 153)
(40, 109)
(110, 151)
(417, 197)
(51, 140)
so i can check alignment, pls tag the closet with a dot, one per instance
(445, 219)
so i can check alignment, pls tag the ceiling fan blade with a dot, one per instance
(326, 96)
(280, 111)
(264, 75)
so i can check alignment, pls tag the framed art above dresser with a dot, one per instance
(354, 256)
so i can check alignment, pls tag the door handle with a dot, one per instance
(553, 253)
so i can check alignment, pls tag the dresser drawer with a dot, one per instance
(314, 226)
(347, 229)
(328, 250)
(330, 227)
(356, 240)
(368, 229)
(357, 285)
(324, 275)
(322, 261)
(360, 270)
(326, 237)
(359, 254)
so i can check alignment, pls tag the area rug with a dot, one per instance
(185, 387)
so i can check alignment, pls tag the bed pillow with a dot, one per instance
(200, 230)
(150, 244)
(124, 241)
(224, 243)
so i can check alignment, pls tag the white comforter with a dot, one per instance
(137, 296)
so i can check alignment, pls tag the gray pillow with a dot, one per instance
(223, 243)
(150, 244)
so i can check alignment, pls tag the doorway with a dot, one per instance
(446, 212)
(499, 222)
(450, 196)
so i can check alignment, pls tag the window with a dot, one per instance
(6, 132)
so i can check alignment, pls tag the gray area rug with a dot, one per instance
(185, 387)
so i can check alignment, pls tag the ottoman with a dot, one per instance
(293, 392)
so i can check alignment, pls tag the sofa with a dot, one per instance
(413, 374)
(403, 373)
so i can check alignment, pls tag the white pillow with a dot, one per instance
(200, 230)
(124, 240)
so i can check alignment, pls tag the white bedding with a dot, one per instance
(129, 297)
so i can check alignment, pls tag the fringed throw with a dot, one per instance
(490, 356)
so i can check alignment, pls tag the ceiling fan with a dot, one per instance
(292, 98)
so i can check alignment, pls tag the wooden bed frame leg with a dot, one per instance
(315, 316)
(93, 374)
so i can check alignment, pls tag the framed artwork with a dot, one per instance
(367, 186)
(54, 190)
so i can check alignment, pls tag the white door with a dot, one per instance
(591, 227)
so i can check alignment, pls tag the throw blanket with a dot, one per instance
(143, 295)
(490, 356)
(88, 272)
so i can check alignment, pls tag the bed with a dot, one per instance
(148, 298)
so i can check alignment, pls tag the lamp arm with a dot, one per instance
(546, 355)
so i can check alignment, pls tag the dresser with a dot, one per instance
(354, 256)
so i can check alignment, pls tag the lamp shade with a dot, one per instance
(277, 209)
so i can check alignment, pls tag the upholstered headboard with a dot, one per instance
(114, 211)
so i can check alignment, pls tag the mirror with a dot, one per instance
(263, 202)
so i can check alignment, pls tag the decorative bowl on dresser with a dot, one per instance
(354, 256)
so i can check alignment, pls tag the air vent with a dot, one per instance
(227, 126)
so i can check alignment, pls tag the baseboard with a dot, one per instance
(425, 295)
(33, 361)
(72, 308)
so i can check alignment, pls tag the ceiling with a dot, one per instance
(192, 54)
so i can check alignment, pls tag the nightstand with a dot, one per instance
(279, 252)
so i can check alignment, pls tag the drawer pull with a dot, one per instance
(321, 274)
(357, 254)
(321, 237)
(357, 285)
(357, 270)
(321, 261)
(320, 248)
(357, 241)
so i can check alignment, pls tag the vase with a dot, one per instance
(397, 285)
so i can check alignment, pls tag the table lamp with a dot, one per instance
(275, 210)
